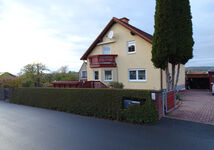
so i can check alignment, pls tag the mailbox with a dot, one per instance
(128, 102)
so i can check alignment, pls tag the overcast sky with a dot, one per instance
(58, 32)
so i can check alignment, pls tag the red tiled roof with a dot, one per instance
(134, 30)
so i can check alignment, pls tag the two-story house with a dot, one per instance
(122, 53)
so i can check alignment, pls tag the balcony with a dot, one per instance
(99, 61)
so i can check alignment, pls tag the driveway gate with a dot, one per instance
(169, 101)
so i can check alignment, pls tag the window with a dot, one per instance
(131, 47)
(137, 75)
(133, 75)
(106, 50)
(141, 75)
(84, 74)
(108, 75)
(96, 75)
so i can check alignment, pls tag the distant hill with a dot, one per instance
(198, 69)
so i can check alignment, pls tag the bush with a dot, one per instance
(28, 83)
(47, 84)
(12, 83)
(104, 103)
(138, 114)
(117, 85)
(178, 96)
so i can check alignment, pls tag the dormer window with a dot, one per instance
(131, 47)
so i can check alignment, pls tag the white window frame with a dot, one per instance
(112, 75)
(127, 47)
(94, 75)
(82, 74)
(109, 49)
(137, 80)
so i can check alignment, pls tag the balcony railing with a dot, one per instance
(98, 61)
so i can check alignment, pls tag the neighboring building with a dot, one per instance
(6, 76)
(122, 53)
(83, 72)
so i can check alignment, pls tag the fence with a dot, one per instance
(78, 84)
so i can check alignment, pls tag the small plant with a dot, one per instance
(117, 85)
(178, 96)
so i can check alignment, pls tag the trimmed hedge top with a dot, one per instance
(104, 103)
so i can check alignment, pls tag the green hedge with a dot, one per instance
(103, 103)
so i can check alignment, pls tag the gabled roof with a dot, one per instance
(6, 74)
(114, 20)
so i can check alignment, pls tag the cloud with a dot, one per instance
(57, 32)
(26, 39)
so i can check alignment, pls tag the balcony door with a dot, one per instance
(106, 50)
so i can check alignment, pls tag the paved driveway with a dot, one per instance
(29, 128)
(197, 106)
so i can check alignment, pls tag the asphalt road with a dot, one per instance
(29, 128)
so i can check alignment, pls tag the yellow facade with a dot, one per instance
(181, 81)
(141, 59)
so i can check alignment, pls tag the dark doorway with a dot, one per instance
(198, 83)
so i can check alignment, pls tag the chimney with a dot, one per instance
(124, 19)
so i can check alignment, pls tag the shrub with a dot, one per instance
(117, 85)
(104, 103)
(141, 113)
(178, 96)
(47, 84)
(28, 83)
(12, 83)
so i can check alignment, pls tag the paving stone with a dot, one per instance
(197, 106)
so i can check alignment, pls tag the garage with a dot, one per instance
(197, 81)
(200, 80)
